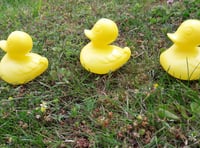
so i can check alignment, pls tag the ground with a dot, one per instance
(139, 105)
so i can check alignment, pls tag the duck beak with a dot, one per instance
(88, 34)
(173, 37)
(3, 45)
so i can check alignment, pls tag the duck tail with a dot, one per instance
(44, 62)
(127, 50)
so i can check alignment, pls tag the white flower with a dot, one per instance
(170, 1)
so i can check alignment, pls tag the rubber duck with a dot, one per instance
(182, 59)
(19, 65)
(98, 56)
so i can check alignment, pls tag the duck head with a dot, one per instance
(104, 31)
(188, 33)
(18, 44)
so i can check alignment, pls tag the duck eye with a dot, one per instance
(188, 31)
(97, 29)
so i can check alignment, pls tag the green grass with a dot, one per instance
(122, 109)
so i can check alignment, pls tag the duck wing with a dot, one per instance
(117, 54)
(37, 63)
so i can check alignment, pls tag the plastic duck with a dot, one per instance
(182, 59)
(19, 66)
(98, 56)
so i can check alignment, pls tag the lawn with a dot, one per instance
(139, 105)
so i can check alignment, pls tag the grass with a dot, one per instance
(137, 106)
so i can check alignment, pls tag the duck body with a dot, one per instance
(184, 66)
(21, 71)
(103, 59)
(182, 59)
(18, 65)
(98, 56)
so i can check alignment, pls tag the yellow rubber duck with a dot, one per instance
(182, 59)
(98, 56)
(19, 66)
